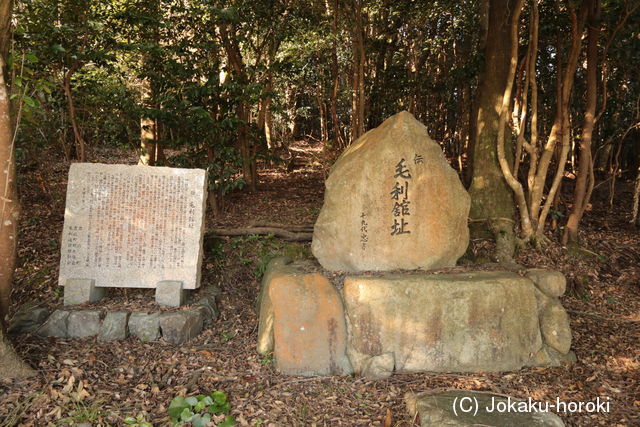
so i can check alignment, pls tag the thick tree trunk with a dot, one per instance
(585, 178)
(10, 364)
(492, 205)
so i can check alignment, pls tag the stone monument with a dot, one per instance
(132, 227)
(392, 203)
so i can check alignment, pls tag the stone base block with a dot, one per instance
(80, 291)
(170, 293)
(114, 326)
(181, 326)
(303, 323)
(145, 326)
(417, 322)
(475, 408)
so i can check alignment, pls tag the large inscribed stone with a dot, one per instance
(392, 202)
(133, 226)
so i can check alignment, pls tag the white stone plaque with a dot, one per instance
(133, 226)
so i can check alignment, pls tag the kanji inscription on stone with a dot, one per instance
(133, 226)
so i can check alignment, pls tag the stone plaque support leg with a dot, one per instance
(170, 293)
(80, 291)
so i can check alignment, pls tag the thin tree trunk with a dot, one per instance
(77, 132)
(335, 81)
(147, 145)
(584, 180)
(635, 218)
(243, 143)
(357, 88)
(559, 133)
(8, 198)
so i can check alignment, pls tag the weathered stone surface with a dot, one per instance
(551, 283)
(114, 326)
(80, 291)
(133, 226)
(555, 327)
(56, 325)
(180, 326)
(378, 367)
(482, 321)
(309, 331)
(208, 308)
(444, 409)
(27, 320)
(392, 202)
(280, 266)
(547, 356)
(84, 323)
(145, 326)
(169, 293)
(542, 300)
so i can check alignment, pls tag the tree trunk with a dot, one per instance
(244, 144)
(147, 145)
(77, 132)
(357, 83)
(335, 86)
(492, 205)
(585, 180)
(10, 364)
(635, 218)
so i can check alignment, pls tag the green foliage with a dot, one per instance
(197, 410)
(138, 421)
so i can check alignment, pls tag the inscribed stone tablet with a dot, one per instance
(133, 226)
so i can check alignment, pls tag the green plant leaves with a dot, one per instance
(177, 405)
(189, 409)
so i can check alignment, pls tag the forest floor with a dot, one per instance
(82, 380)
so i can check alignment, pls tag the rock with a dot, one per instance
(207, 306)
(547, 356)
(457, 408)
(82, 291)
(170, 293)
(145, 326)
(280, 266)
(551, 283)
(542, 299)
(481, 321)
(56, 325)
(378, 367)
(392, 202)
(180, 326)
(307, 318)
(114, 326)
(28, 319)
(84, 323)
(555, 327)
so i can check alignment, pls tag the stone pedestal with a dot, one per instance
(80, 291)
(413, 322)
(169, 293)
